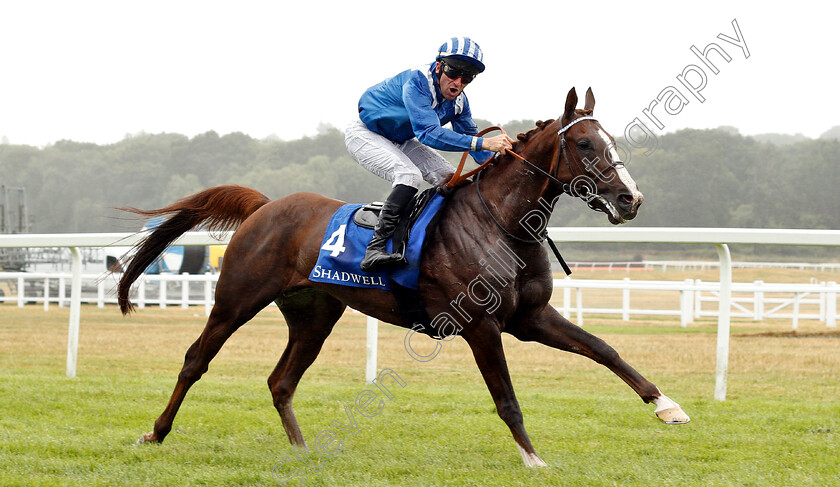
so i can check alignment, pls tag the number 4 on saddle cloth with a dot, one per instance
(349, 232)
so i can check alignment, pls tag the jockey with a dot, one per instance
(400, 123)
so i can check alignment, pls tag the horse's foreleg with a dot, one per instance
(552, 329)
(490, 358)
(310, 316)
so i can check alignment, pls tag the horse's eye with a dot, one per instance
(584, 144)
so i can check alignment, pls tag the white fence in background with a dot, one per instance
(757, 301)
(721, 238)
(162, 290)
(684, 265)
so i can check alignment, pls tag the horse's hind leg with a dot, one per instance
(196, 361)
(227, 316)
(310, 316)
(552, 329)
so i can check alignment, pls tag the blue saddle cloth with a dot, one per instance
(344, 244)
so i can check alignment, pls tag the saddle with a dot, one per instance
(368, 216)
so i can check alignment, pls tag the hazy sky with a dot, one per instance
(96, 71)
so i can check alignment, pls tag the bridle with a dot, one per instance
(563, 150)
(551, 175)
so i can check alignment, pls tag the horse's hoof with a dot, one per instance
(673, 415)
(668, 411)
(148, 438)
(531, 459)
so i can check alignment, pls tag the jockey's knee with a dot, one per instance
(436, 178)
(409, 177)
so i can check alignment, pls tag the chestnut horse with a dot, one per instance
(276, 245)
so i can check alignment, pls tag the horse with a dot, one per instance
(276, 245)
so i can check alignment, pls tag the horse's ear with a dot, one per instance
(589, 105)
(571, 103)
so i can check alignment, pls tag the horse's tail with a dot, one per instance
(218, 209)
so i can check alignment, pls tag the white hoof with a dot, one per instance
(673, 416)
(531, 459)
(146, 438)
(669, 412)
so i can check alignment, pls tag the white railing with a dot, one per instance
(683, 265)
(148, 290)
(767, 299)
(721, 238)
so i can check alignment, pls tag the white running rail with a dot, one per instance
(721, 238)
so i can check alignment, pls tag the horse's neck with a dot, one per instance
(518, 197)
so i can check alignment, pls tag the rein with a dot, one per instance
(458, 178)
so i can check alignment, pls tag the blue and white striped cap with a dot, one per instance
(465, 49)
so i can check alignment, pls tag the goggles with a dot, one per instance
(455, 73)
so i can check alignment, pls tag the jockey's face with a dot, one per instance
(450, 88)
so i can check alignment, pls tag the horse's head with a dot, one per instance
(589, 166)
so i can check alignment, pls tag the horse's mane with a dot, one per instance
(541, 124)
(523, 138)
(530, 134)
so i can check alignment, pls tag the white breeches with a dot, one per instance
(409, 163)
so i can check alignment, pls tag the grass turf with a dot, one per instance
(779, 425)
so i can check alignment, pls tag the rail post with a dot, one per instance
(21, 298)
(75, 311)
(208, 288)
(372, 341)
(185, 291)
(100, 294)
(686, 304)
(698, 298)
(162, 297)
(722, 365)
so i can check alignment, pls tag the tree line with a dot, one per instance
(695, 178)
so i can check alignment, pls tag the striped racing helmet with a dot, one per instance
(463, 49)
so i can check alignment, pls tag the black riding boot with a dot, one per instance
(376, 256)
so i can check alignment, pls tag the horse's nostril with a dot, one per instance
(625, 200)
